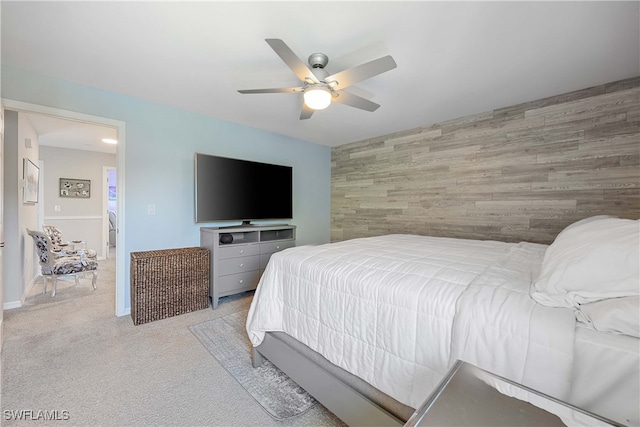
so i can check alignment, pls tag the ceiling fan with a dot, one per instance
(318, 87)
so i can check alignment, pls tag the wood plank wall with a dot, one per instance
(518, 173)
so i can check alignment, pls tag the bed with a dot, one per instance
(370, 326)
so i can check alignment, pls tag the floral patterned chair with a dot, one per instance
(59, 246)
(54, 264)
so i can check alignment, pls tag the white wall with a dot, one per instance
(77, 218)
(20, 264)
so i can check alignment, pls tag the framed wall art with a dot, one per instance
(31, 175)
(78, 188)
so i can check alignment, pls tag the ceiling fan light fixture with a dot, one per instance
(317, 98)
(318, 86)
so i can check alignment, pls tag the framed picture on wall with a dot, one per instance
(31, 175)
(77, 188)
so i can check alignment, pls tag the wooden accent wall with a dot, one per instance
(518, 173)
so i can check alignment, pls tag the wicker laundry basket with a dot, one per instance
(168, 282)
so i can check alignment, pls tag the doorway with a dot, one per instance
(119, 126)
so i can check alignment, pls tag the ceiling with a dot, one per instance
(454, 58)
(59, 133)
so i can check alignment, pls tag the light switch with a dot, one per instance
(56, 208)
(151, 209)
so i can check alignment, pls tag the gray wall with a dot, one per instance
(20, 264)
(78, 218)
(518, 173)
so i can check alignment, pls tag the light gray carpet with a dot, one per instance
(226, 339)
(70, 353)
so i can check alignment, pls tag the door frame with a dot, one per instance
(10, 104)
(105, 209)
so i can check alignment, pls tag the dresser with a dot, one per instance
(240, 254)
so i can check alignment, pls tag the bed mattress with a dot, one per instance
(606, 373)
(398, 310)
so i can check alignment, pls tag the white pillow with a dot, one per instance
(616, 315)
(584, 221)
(590, 261)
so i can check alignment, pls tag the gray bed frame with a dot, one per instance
(348, 397)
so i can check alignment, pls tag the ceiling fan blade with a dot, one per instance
(356, 101)
(362, 72)
(276, 90)
(297, 66)
(306, 112)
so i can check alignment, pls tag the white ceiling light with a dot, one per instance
(110, 141)
(317, 97)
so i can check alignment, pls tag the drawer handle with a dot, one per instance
(241, 265)
(241, 281)
(241, 251)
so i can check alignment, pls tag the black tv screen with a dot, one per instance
(241, 190)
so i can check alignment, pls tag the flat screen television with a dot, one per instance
(229, 189)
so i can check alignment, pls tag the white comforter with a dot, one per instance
(398, 310)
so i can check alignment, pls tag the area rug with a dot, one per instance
(227, 340)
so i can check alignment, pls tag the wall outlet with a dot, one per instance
(56, 208)
(151, 209)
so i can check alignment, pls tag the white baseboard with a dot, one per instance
(11, 304)
(17, 304)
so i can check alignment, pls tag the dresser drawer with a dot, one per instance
(234, 251)
(271, 247)
(238, 282)
(238, 265)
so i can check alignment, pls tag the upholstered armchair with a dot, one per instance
(60, 246)
(55, 264)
